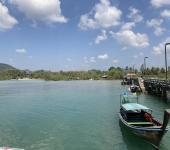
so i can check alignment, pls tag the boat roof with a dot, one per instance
(133, 106)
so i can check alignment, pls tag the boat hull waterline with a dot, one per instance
(139, 120)
(151, 135)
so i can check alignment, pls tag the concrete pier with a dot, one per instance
(159, 87)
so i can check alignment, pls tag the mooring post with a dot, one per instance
(158, 91)
(166, 118)
(164, 94)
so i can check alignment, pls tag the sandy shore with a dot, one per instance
(29, 79)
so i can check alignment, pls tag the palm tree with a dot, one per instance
(142, 69)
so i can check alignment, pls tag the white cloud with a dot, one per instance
(128, 39)
(115, 61)
(157, 50)
(11, 61)
(159, 31)
(6, 20)
(69, 59)
(135, 56)
(159, 3)
(92, 59)
(105, 56)
(84, 65)
(30, 57)
(85, 60)
(165, 13)
(141, 54)
(101, 16)
(128, 26)
(45, 10)
(101, 37)
(154, 23)
(134, 15)
(20, 51)
(34, 24)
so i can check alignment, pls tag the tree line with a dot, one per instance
(12, 74)
(112, 73)
(154, 72)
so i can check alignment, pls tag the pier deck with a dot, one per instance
(151, 85)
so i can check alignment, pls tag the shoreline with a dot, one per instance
(26, 79)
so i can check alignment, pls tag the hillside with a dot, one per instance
(6, 67)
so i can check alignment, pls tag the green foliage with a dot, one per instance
(6, 67)
(8, 72)
(11, 74)
(155, 72)
(116, 73)
(111, 68)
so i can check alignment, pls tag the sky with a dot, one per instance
(76, 35)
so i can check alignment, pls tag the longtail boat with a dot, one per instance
(139, 120)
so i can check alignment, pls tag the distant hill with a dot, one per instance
(6, 67)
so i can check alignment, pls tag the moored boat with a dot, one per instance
(134, 89)
(139, 120)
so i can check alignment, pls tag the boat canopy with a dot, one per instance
(133, 106)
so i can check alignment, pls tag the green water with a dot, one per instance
(69, 115)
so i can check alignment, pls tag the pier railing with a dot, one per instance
(157, 86)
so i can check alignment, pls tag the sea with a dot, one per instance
(70, 115)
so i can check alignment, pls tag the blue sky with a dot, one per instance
(84, 34)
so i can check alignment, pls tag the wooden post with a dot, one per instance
(164, 93)
(166, 118)
(146, 87)
(158, 91)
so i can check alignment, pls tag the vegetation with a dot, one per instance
(8, 72)
(154, 72)
(6, 67)
(112, 73)
(11, 74)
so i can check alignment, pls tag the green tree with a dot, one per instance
(127, 69)
(142, 69)
(162, 70)
(111, 68)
